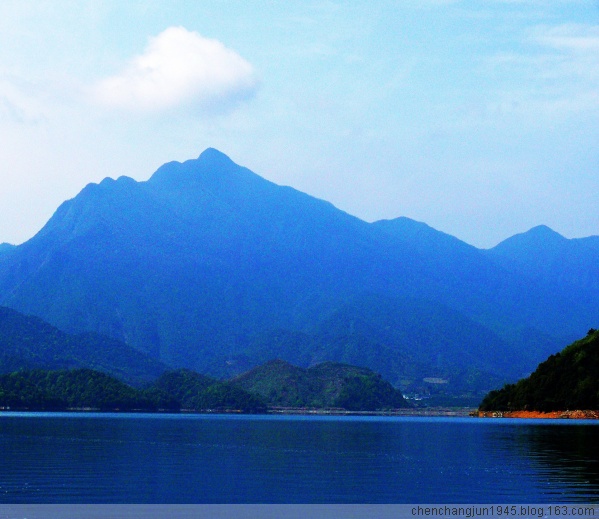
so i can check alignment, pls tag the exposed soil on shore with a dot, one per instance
(574, 415)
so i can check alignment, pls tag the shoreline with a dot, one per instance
(422, 411)
(577, 414)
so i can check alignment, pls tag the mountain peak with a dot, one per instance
(533, 250)
(212, 168)
(213, 155)
(212, 160)
(542, 231)
(539, 237)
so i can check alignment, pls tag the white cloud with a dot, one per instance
(571, 58)
(555, 74)
(179, 68)
(569, 37)
(18, 104)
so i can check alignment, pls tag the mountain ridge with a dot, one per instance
(28, 342)
(542, 253)
(195, 263)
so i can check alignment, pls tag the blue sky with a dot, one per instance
(480, 118)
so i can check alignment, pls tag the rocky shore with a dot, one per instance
(574, 415)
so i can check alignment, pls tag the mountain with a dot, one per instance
(194, 391)
(543, 254)
(514, 303)
(565, 381)
(89, 389)
(325, 385)
(200, 264)
(387, 336)
(185, 264)
(279, 383)
(77, 388)
(28, 343)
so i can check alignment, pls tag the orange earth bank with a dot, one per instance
(578, 414)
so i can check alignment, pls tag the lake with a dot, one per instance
(154, 458)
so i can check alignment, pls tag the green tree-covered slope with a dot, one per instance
(56, 390)
(194, 391)
(565, 381)
(277, 383)
(325, 385)
(77, 388)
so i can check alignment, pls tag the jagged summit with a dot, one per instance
(542, 253)
(211, 170)
(402, 224)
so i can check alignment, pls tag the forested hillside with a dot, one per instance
(86, 389)
(325, 385)
(565, 381)
(277, 383)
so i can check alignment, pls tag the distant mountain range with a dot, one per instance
(210, 267)
(42, 368)
(29, 343)
(546, 256)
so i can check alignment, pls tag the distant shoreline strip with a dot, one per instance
(313, 511)
(556, 415)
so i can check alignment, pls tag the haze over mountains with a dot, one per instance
(29, 343)
(210, 267)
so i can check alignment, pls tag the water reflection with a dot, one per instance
(569, 454)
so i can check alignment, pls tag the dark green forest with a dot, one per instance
(86, 389)
(277, 383)
(194, 392)
(565, 381)
(329, 384)
(75, 389)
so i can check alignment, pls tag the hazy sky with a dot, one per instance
(480, 118)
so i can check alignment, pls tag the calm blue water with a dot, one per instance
(104, 458)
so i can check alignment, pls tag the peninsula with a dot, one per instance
(564, 386)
